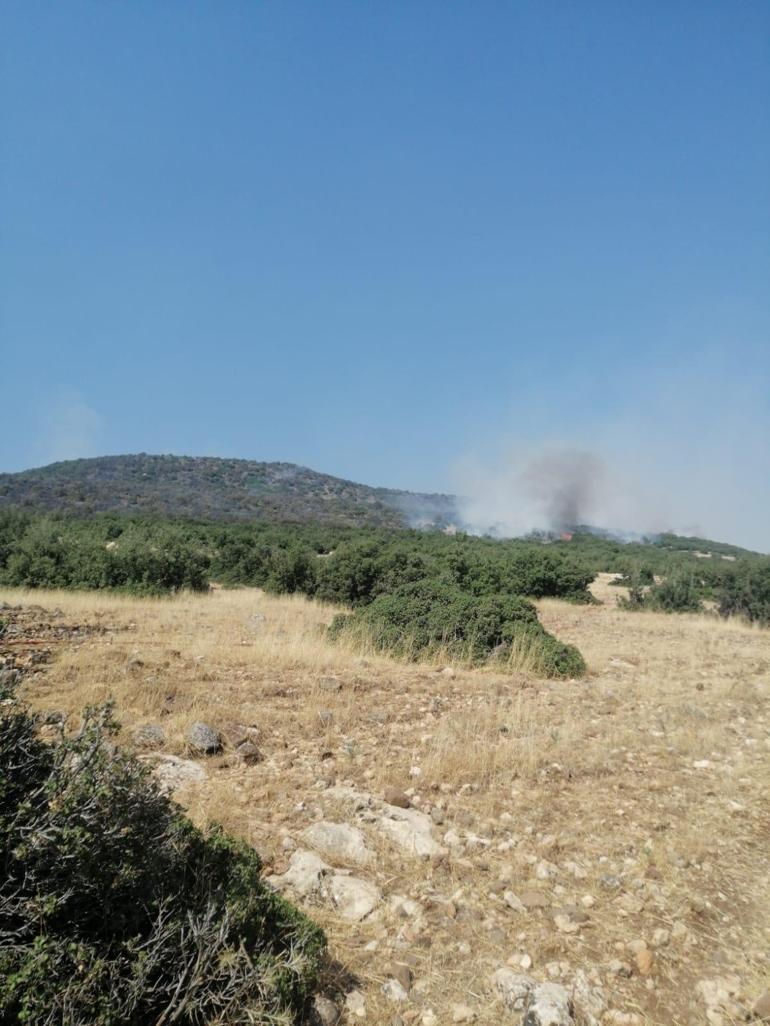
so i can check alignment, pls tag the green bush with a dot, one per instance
(116, 911)
(430, 617)
(746, 592)
(679, 593)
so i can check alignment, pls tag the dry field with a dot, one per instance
(610, 834)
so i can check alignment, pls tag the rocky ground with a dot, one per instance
(480, 848)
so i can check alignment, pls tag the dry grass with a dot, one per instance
(599, 774)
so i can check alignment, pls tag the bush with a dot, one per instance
(116, 911)
(429, 617)
(746, 592)
(680, 593)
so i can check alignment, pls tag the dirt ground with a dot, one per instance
(610, 834)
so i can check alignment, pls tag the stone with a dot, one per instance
(395, 796)
(355, 1004)
(173, 772)
(394, 992)
(588, 1000)
(354, 899)
(401, 972)
(644, 961)
(330, 684)
(304, 875)
(338, 841)
(513, 988)
(513, 902)
(149, 735)
(618, 968)
(532, 899)
(437, 815)
(549, 1005)
(411, 830)
(761, 1008)
(203, 739)
(248, 752)
(463, 1013)
(325, 1012)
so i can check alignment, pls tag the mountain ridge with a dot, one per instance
(217, 488)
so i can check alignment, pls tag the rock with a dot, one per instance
(549, 1005)
(395, 796)
(532, 899)
(644, 960)
(249, 753)
(325, 1012)
(304, 875)
(401, 972)
(355, 1004)
(394, 992)
(353, 898)
(513, 988)
(204, 739)
(330, 684)
(463, 1013)
(618, 968)
(149, 735)
(660, 938)
(513, 902)
(338, 841)
(588, 1000)
(173, 772)
(411, 830)
(437, 815)
(761, 1008)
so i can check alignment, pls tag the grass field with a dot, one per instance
(637, 796)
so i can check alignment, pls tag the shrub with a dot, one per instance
(746, 592)
(429, 617)
(116, 911)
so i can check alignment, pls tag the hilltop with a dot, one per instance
(213, 488)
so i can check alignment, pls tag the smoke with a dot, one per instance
(551, 488)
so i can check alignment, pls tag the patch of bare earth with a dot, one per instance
(610, 835)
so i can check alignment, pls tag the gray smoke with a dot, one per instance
(566, 484)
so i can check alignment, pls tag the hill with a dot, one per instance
(205, 487)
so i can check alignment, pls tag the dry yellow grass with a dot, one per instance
(654, 770)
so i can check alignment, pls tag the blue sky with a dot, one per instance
(387, 239)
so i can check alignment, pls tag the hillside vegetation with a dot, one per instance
(216, 489)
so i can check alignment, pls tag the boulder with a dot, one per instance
(549, 1005)
(203, 739)
(149, 735)
(304, 875)
(173, 772)
(353, 898)
(338, 841)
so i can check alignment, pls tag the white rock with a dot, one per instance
(355, 1004)
(512, 901)
(338, 841)
(463, 1013)
(513, 988)
(304, 875)
(588, 1000)
(173, 772)
(394, 992)
(411, 830)
(549, 1005)
(353, 898)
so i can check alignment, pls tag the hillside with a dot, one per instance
(213, 488)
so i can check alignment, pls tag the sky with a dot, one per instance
(411, 243)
